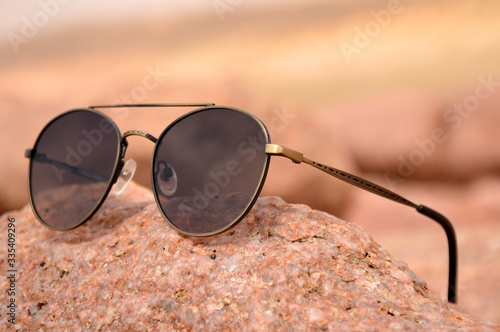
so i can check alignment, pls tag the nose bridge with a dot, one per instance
(139, 133)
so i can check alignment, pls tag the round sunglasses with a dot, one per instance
(207, 170)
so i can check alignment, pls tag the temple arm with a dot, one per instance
(42, 158)
(297, 157)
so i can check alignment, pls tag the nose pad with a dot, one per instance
(125, 176)
(166, 178)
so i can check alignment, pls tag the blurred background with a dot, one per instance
(404, 93)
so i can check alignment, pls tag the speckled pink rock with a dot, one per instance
(284, 267)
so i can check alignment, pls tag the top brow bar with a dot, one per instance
(154, 105)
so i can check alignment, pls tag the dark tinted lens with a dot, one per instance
(70, 170)
(208, 168)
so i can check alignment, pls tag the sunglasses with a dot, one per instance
(207, 171)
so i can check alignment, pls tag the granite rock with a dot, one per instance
(284, 267)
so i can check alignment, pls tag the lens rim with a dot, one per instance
(111, 181)
(255, 194)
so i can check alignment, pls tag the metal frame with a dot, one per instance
(297, 158)
(271, 150)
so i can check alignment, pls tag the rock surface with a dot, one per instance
(284, 267)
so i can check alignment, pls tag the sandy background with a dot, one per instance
(365, 85)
